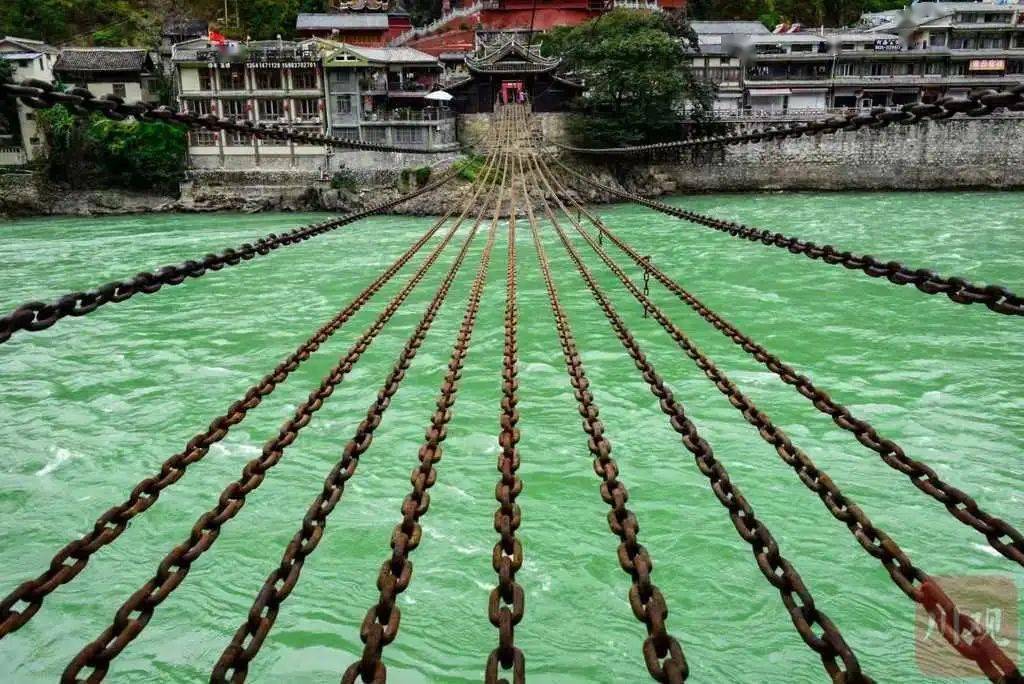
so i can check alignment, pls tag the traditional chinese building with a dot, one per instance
(373, 23)
(499, 70)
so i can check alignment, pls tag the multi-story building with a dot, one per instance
(29, 59)
(383, 95)
(277, 82)
(920, 54)
(127, 73)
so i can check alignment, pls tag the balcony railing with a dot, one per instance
(414, 115)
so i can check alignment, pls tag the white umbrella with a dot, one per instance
(440, 95)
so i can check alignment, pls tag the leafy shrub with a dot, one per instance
(344, 179)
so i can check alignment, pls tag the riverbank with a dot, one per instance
(954, 154)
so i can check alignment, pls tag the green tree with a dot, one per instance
(832, 13)
(267, 19)
(100, 152)
(634, 65)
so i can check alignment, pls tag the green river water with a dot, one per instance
(94, 404)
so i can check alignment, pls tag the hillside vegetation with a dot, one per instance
(807, 12)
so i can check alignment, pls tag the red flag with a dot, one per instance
(217, 39)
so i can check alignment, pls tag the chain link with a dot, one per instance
(133, 616)
(980, 103)
(995, 297)
(72, 559)
(35, 316)
(1001, 535)
(836, 655)
(380, 626)
(233, 664)
(663, 654)
(43, 95)
(914, 582)
(507, 600)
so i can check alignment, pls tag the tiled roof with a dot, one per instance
(344, 20)
(393, 55)
(101, 59)
(749, 28)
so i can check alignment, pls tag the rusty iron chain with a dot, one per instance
(74, 556)
(996, 297)
(380, 626)
(133, 616)
(43, 95)
(662, 652)
(234, 661)
(1000, 534)
(967, 636)
(507, 601)
(37, 315)
(980, 103)
(836, 655)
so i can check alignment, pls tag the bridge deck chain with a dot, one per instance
(245, 645)
(382, 621)
(837, 657)
(1000, 534)
(67, 563)
(966, 635)
(37, 315)
(662, 652)
(996, 297)
(81, 102)
(981, 103)
(136, 612)
(507, 601)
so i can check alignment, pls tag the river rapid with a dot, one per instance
(93, 405)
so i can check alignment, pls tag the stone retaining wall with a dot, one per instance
(933, 155)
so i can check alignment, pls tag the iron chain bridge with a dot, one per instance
(530, 184)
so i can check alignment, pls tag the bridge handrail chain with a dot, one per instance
(980, 103)
(133, 616)
(996, 297)
(67, 563)
(836, 655)
(965, 634)
(1000, 534)
(37, 315)
(81, 102)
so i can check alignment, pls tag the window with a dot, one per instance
(802, 47)
(992, 42)
(957, 68)
(376, 134)
(343, 104)
(405, 136)
(268, 79)
(934, 68)
(937, 40)
(881, 69)
(306, 110)
(119, 90)
(963, 44)
(234, 109)
(271, 109)
(237, 139)
(198, 107)
(848, 46)
(232, 78)
(846, 69)
(346, 133)
(303, 79)
(342, 79)
(203, 138)
(205, 79)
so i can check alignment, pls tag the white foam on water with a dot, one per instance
(987, 549)
(60, 457)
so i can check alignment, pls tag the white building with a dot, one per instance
(127, 73)
(30, 59)
(279, 82)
